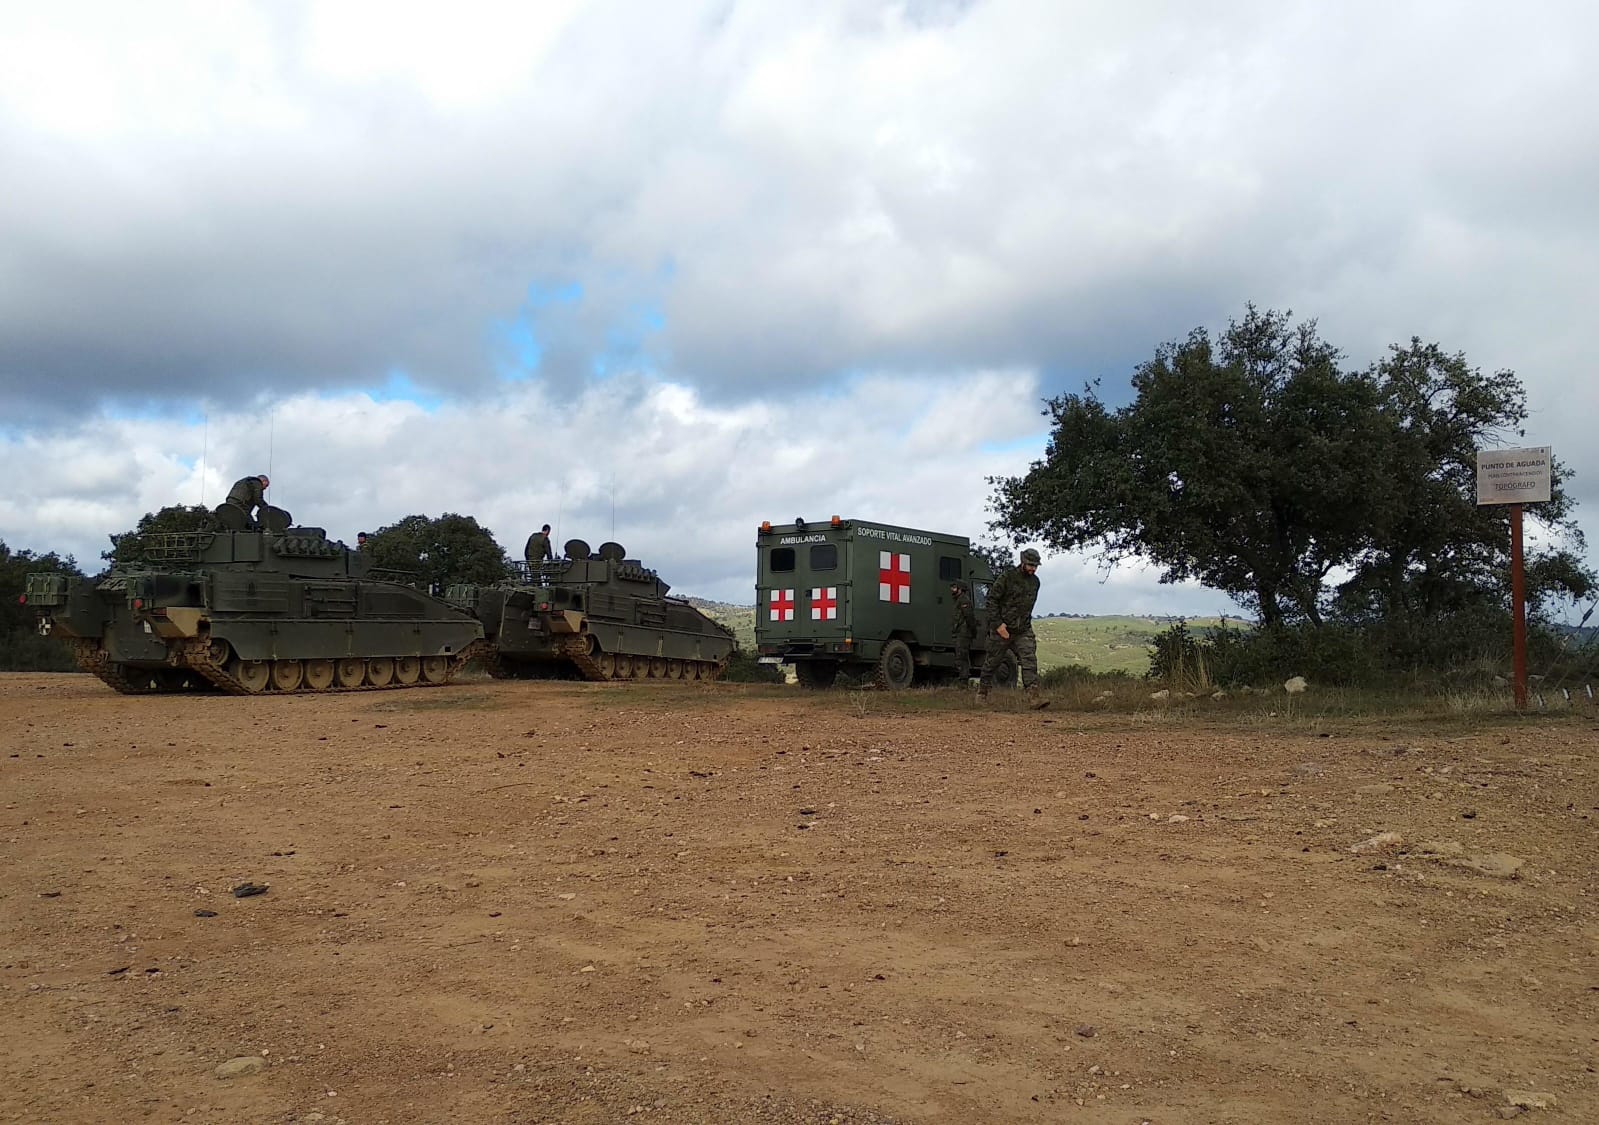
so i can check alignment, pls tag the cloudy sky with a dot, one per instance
(659, 272)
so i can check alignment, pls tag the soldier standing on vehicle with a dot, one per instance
(1010, 608)
(361, 538)
(538, 548)
(248, 494)
(963, 621)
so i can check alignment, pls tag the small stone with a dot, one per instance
(1088, 1031)
(586, 969)
(568, 897)
(205, 913)
(1161, 695)
(1176, 818)
(1295, 685)
(1530, 1099)
(1379, 842)
(241, 1066)
(1496, 865)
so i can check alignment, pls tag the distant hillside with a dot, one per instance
(1109, 644)
(739, 618)
(1103, 644)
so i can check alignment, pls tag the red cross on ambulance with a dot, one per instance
(824, 603)
(782, 605)
(893, 577)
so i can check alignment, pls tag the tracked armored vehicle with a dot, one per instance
(598, 616)
(282, 609)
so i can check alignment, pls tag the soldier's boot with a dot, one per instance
(1036, 699)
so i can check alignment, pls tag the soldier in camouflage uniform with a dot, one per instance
(248, 494)
(963, 622)
(538, 549)
(1010, 609)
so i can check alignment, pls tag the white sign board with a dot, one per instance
(1513, 476)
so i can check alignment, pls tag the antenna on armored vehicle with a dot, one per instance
(205, 445)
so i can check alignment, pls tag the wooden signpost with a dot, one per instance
(1515, 477)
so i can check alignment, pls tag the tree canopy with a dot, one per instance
(1256, 464)
(440, 552)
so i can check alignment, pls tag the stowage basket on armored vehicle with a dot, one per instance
(601, 615)
(278, 610)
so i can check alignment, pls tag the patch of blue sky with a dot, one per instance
(1029, 443)
(517, 351)
(515, 342)
(399, 388)
(631, 341)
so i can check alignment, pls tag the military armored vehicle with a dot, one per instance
(866, 599)
(282, 609)
(596, 615)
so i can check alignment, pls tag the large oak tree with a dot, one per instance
(1256, 464)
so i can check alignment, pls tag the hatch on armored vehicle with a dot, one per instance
(864, 598)
(598, 615)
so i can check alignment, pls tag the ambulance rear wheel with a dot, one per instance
(895, 667)
(816, 674)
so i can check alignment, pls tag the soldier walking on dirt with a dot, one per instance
(248, 494)
(538, 548)
(1010, 608)
(963, 621)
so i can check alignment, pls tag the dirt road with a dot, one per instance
(541, 902)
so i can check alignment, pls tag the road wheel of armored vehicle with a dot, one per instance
(407, 670)
(287, 674)
(607, 663)
(319, 674)
(219, 652)
(895, 668)
(816, 674)
(253, 675)
(435, 669)
(380, 670)
(349, 672)
(657, 667)
(674, 668)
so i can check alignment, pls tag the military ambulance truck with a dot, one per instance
(865, 598)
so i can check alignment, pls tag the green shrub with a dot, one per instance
(1178, 660)
(1065, 675)
(745, 668)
